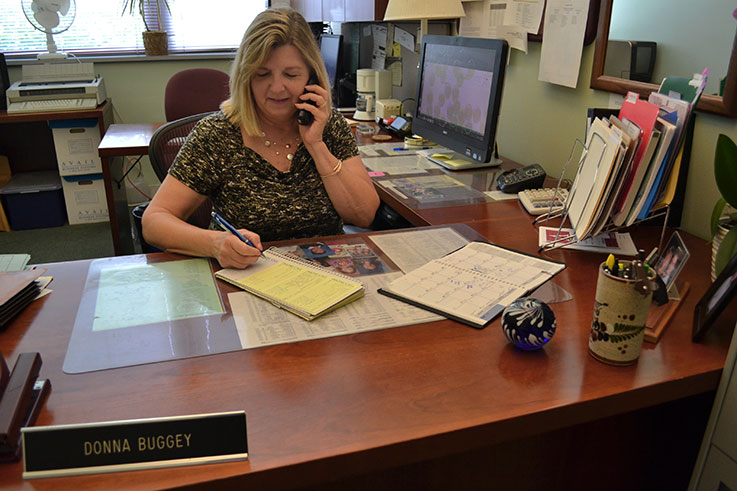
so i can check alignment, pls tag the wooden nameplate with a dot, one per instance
(660, 315)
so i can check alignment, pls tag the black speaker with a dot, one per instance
(4, 81)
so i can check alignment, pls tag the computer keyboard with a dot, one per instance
(52, 105)
(537, 201)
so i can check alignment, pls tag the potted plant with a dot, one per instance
(155, 41)
(724, 215)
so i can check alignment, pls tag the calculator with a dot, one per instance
(537, 201)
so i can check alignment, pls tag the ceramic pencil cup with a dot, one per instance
(620, 313)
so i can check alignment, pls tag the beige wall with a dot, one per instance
(539, 121)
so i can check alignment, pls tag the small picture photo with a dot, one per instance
(316, 249)
(357, 250)
(338, 248)
(672, 260)
(343, 265)
(369, 265)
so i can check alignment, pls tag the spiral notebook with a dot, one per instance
(473, 284)
(295, 285)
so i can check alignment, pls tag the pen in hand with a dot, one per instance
(229, 228)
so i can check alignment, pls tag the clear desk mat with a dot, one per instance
(137, 309)
(134, 311)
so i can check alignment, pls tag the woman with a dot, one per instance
(267, 175)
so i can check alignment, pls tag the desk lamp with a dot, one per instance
(423, 10)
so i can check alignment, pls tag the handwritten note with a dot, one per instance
(287, 283)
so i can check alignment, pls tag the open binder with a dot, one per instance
(295, 285)
(473, 284)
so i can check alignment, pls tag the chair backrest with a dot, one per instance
(163, 148)
(195, 91)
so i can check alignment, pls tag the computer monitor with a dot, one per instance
(459, 92)
(330, 52)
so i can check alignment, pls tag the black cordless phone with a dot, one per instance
(516, 180)
(304, 117)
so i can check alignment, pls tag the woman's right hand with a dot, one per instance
(231, 252)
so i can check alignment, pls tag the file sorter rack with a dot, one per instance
(561, 241)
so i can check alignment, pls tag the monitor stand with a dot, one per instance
(457, 161)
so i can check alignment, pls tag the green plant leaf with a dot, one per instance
(725, 168)
(727, 250)
(716, 215)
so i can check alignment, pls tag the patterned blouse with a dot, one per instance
(250, 193)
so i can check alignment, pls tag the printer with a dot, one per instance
(72, 82)
(81, 89)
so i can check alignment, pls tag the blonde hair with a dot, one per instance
(271, 29)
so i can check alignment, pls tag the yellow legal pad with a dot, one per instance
(297, 286)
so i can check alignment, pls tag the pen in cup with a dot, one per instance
(229, 228)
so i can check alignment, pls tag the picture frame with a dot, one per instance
(716, 298)
(671, 261)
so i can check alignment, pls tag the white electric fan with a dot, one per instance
(50, 17)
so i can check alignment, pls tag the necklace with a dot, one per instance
(287, 146)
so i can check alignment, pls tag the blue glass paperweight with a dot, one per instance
(528, 323)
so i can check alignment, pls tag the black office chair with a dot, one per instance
(162, 149)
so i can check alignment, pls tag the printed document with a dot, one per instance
(260, 324)
(473, 284)
(562, 47)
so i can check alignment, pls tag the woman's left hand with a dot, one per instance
(312, 133)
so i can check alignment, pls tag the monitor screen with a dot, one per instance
(330, 52)
(459, 91)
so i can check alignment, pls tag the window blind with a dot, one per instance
(100, 27)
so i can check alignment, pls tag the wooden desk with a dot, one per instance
(122, 140)
(437, 405)
(102, 113)
(481, 180)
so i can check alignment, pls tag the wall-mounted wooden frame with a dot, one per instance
(725, 105)
(591, 23)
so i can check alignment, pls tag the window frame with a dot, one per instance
(136, 53)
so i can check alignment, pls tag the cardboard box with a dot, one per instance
(85, 199)
(34, 200)
(76, 142)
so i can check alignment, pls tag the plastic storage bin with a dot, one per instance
(34, 200)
